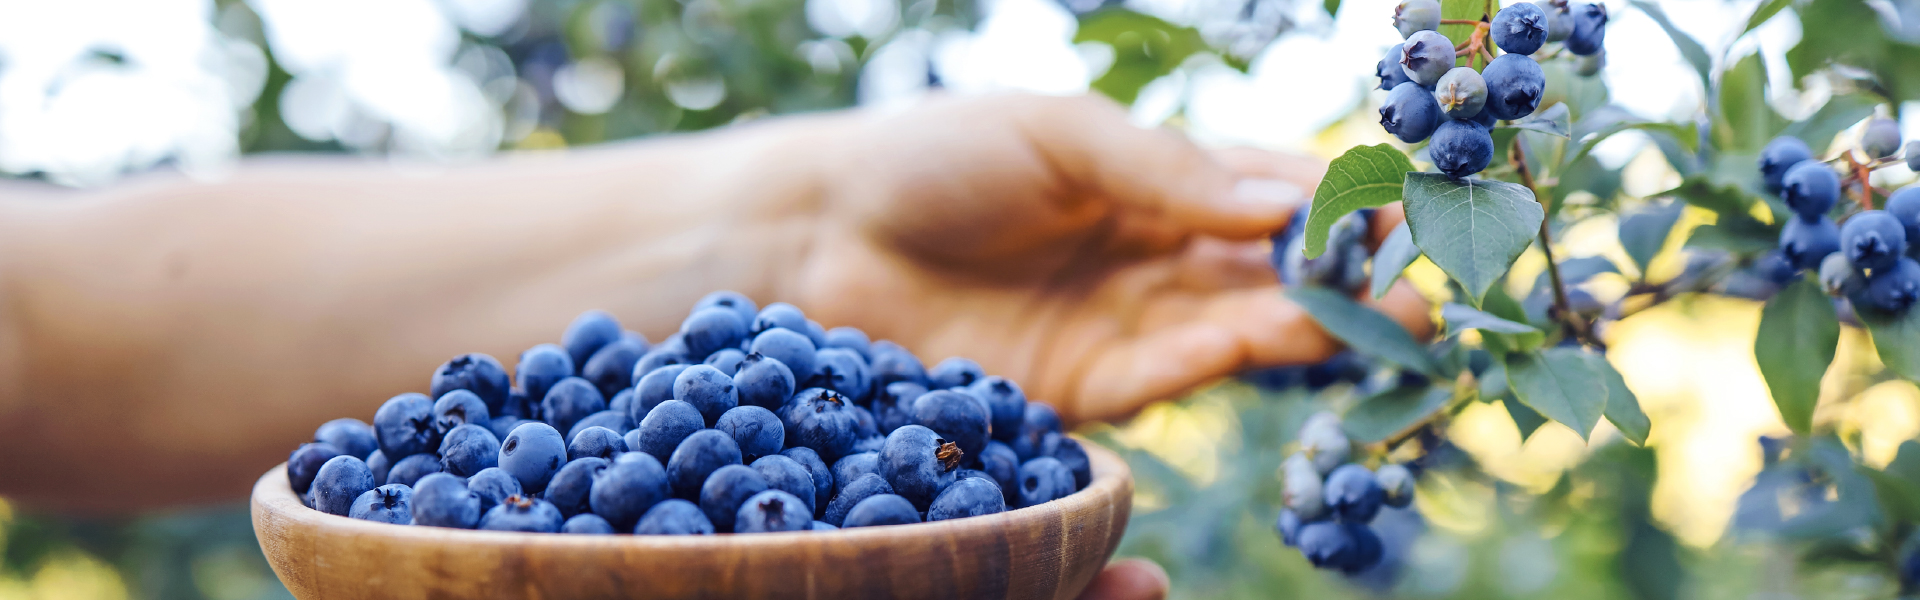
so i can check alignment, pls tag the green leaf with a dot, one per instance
(1363, 329)
(1899, 485)
(1839, 113)
(1766, 10)
(1689, 49)
(1333, 7)
(1381, 415)
(1623, 407)
(1392, 259)
(1460, 317)
(1698, 191)
(1736, 233)
(1797, 337)
(1552, 121)
(1526, 419)
(1644, 233)
(1896, 337)
(1493, 382)
(1144, 49)
(1561, 385)
(1469, 10)
(1364, 177)
(1472, 229)
(1745, 123)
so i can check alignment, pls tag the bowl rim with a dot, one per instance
(273, 498)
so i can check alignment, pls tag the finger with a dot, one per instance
(1157, 172)
(1384, 220)
(1128, 579)
(1213, 264)
(1254, 163)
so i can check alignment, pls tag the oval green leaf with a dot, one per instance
(1364, 177)
(1472, 229)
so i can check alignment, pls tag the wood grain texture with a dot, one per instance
(1047, 551)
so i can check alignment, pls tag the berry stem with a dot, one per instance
(1570, 323)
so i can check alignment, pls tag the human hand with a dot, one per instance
(1101, 265)
(1128, 579)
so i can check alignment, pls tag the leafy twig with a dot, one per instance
(1571, 323)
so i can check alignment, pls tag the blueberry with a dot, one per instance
(524, 514)
(1485, 120)
(739, 303)
(540, 367)
(674, 517)
(1323, 441)
(533, 452)
(570, 400)
(1838, 276)
(711, 329)
(653, 389)
(625, 491)
(779, 315)
(1461, 148)
(1589, 29)
(378, 463)
(1913, 156)
(616, 421)
(571, 488)
(588, 333)
(518, 405)
(611, 368)
(1352, 494)
(1005, 400)
(960, 418)
(708, 390)
(1873, 239)
(621, 402)
(888, 362)
(823, 482)
(459, 407)
(1559, 22)
(1044, 480)
(725, 490)
(820, 419)
(865, 427)
(1039, 421)
(1001, 464)
(1889, 290)
(351, 437)
(386, 504)
(1515, 84)
(1396, 485)
(660, 357)
(1806, 242)
(1414, 16)
(850, 338)
(892, 406)
(1388, 69)
(1410, 113)
(790, 348)
(477, 373)
(1288, 526)
(757, 431)
(501, 426)
(1811, 188)
(1326, 544)
(494, 485)
(596, 442)
(669, 424)
(841, 370)
(409, 470)
(884, 509)
(442, 500)
(1904, 205)
(822, 526)
(852, 466)
(1774, 267)
(785, 474)
(763, 382)
(697, 457)
(587, 524)
(305, 463)
(1302, 487)
(969, 497)
(1461, 93)
(340, 481)
(1519, 28)
(727, 361)
(816, 333)
(1781, 154)
(918, 463)
(1368, 548)
(405, 427)
(772, 510)
(1070, 453)
(1425, 56)
(954, 372)
(468, 449)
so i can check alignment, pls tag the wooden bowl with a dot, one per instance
(1047, 551)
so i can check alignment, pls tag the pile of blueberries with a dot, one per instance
(747, 420)
(1456, 106)
(1330, 502)
(1867, 260)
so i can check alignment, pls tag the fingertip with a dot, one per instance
(1385, 219)
(1129, 579)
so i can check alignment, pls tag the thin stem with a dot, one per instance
(1569, 322)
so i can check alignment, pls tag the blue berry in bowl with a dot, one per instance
(494, 485)
(790, 348)
(779, 315)
(763, 382)
(654, 388)
(739, 303)
(477, 373)
(340, 481)
(305, 463)
(468, 449)
(588, 333)
(625, 490)
(968, 497)
(842, 370)
(442, 500)
(770, 511)
(884, 509)
(787, 475)
(540, 367)
(757, 431)
(710, 330)
(597, 442)
(888, 362)
(409, 470)
(587, 524)
(351, 437)
(918, 463)
(524, 514)
(390, 503)
(1044, 480)
(460, 407)
(725, 490)
(674, 517)
(850, 494)
(697, 457)
(533, 452)
(404, 426)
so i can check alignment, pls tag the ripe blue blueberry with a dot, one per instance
(660, 357)
(1589, 29)
(468, 449)
(852, 466)
(674, 517)
(587, 524)
(533, 452)
(1881, 138)
(404, 425)
(779, 315)
(1005, 400)
(1002, 465)
(1410, 113)
(518, 405)
(494, 485)
(970, 497)
(822, 526)
(892, 406)
(850, 338)
(708, 390)
(1044, 480)
(763, 382)
(588, 333)
(460, 407)
(710, 330)
(1559, 22)
(1806, 242)
(1069, 452)
(884, 509)
(791, 348)
(772, 510)
(442, 500)
(380, 465)
(888, 362)
(1461, 93)
(1388, 69)
(1396, 485)
(540, 367)
(1515, 84)
(1353, 494)
(954, 372)
(757, 431)
(570, 400)
(1425, 56)
(1774, 267)
(624, 491)
(524, 514)
(571, 488)
(340, 481)
(503, 425)
(1810, 188)
(738, 302)
(305, 463)
(727, 361)
(1781, 154)
(1288, 526)
(409, 470)
(725, 490)
(1414, 16)
(823, 483)
(663, 429)
(618, 421)
(785, 474)
(1873, 239)
(597, 442)
(1461, 148)
(385, 504)
(621, 402)
(697, 457)
(816, 333)
(918, 463)
(861, 488)
(842, 370)
(1889, 290)
(654, 388)
(1904, 205)
(960, 418)
(1040, 421)
(1519, 28)
(820, 419)
(477, 373)
(1327, 544)
(611, 368)
(351, 437)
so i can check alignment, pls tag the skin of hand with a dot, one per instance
(1128, 579)
(165, 341)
